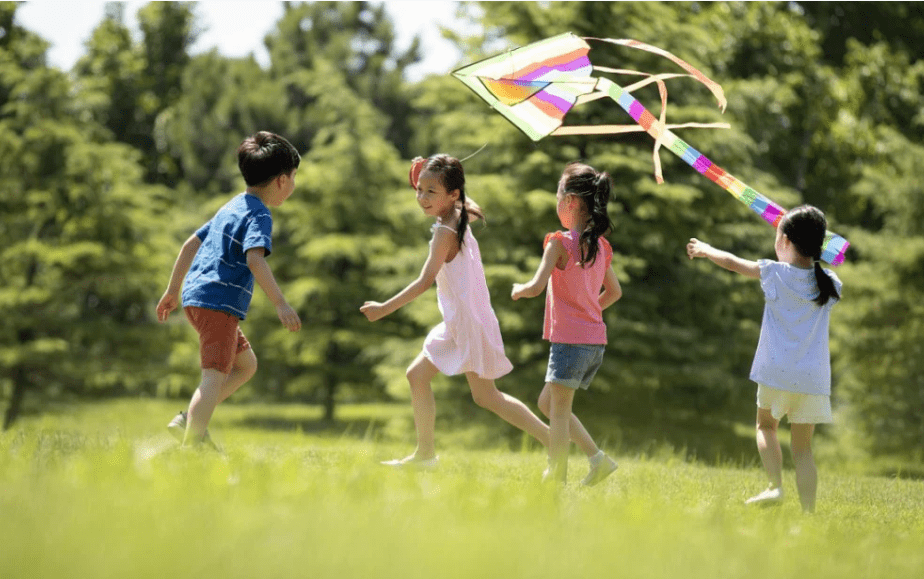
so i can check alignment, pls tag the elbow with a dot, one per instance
(422, 284)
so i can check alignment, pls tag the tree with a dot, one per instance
(78, 225)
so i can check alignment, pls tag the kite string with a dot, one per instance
(473, 154)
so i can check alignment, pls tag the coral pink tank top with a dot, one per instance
(572, 305)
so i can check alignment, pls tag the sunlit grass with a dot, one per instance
(102, 491)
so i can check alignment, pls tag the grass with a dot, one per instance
(99, 490)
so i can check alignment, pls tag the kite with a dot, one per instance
(535, 86)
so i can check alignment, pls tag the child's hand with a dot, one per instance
(697, 248)
(288, 317)
(373, 311)
(519, 291)
(167, 304)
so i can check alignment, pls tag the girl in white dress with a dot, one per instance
(468, 341)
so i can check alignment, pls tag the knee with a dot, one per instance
(252, 367)
(484, 399)
(767, 426)
(559, 408)
(801, 450)
(414, 378)
(544, 404)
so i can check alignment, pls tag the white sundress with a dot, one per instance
(469, 338)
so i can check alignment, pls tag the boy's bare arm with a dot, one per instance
(256, 261)
(171, 298)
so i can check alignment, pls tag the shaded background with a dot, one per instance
(105, 168)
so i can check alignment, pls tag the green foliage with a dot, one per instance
(825, 105)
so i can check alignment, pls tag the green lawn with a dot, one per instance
(100, 490)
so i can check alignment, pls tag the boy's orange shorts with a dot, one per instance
(220, 338)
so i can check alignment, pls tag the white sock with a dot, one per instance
(595, 459)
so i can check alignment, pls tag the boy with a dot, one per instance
(223, 259)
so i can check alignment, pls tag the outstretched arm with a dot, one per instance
(171, 298)
(730, 261)
(553, 254)
(256, 261)
(444, 241)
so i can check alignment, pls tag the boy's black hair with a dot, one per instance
(805, 227)
(264, 156)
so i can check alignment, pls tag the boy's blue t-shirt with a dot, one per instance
(219, 278)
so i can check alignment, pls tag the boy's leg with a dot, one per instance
(579, 434)
(769, 446)
(245, 366)
(486, 395)
(806, 473)
(202, 405)
(419, 374)
(559, 422)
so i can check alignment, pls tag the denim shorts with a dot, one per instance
(574, 365)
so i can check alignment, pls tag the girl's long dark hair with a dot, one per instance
(593, 188)
(453, 177)
(805, 226)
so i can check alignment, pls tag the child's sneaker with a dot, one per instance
(599, 470)
(771, 496)
(550, 477)
(413, 463)
(177, 428)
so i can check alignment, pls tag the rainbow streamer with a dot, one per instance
(834, 246)
(535, 86)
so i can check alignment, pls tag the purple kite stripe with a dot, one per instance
(702, 164)
(559, 103)
(772, 213)
(636, 109)
(573, 66)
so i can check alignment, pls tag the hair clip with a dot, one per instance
(416, 168)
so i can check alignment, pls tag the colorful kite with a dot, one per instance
(535, 86)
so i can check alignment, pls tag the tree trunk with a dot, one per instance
(19, 392)
(331, 382)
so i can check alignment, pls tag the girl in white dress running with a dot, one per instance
(468, 341)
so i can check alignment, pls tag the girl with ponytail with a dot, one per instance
(468, 341)
(792, 365)
(578, 262)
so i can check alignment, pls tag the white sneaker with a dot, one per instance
(599, 471)
(771, 496)
(177, 428)
(413, 463)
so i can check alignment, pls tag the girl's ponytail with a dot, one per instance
(805, 226)
(826, 289)
(593, 188)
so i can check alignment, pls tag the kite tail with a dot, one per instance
(694, 72)
(834, 247)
